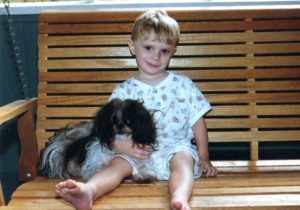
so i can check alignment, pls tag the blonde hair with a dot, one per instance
(165, 28)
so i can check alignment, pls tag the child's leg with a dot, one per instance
(81, 195)
(181, 180)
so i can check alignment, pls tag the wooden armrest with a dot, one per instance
(16, 108)
(26, 131)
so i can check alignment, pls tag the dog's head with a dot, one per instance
(129, 118)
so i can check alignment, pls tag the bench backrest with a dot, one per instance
(246, 62)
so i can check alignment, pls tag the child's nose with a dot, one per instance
(156, 54)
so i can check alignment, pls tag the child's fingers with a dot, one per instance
(141, 153)
(208, 171)
(211, 172)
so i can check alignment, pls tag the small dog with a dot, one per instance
(82, 150)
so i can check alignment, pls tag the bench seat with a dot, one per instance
(239, 189)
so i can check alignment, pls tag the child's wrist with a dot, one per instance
(204, 157)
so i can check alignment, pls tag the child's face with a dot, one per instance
(152, 56)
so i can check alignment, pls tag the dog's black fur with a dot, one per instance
(69, 146)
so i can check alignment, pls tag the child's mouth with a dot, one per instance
(153, 65)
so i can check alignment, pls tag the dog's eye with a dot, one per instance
(114, 119)
(127, 121)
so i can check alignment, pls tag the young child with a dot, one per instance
(179, 109)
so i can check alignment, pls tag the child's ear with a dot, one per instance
(131, 47)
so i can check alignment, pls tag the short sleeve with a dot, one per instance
(198, 104)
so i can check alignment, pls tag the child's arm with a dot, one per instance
(201, 139)
(133, 150)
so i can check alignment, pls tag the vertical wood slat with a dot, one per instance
(254, 149)
(41, 118)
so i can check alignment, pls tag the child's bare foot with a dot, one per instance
(178, 203)
(76, 193)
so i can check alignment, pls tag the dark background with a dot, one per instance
(10, 89)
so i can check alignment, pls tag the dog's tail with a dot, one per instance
(52, 158)
(65, 151)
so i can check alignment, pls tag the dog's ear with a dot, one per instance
(103, 127)
(143, 127)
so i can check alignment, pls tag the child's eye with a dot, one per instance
(148, 48)
(165, 51)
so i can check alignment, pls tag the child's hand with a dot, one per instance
(133, 150)
(207, 169)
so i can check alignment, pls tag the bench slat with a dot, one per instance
(246, 110)
(236, 123)
(123, 27)
(180, 15)
(123, 51)
(254, 136)
(149, 191)
(204, 86)
(213, 98)
(102, 75)
(219, 136)
(202, 38)
(175, 62)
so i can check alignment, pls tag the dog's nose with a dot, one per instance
(120, 127)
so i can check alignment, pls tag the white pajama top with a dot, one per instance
(177, 104)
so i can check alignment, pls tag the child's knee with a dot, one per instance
(182, 156)
(182, 159)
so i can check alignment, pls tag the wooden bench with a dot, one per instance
(246, 62)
